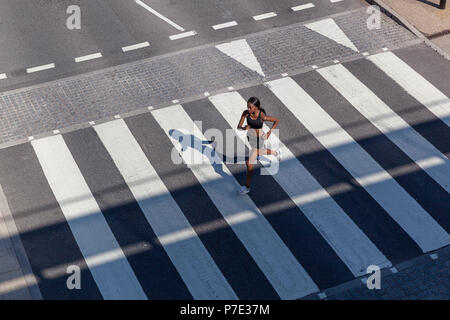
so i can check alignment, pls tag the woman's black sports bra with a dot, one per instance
(255, 124)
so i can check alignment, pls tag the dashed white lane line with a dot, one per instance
(303, 7)
(3, 76)
(40, 68)
(156, 13)
(265, 16)
(89, 57)
(333, 1)
(224, 25)
(136, 46)
(183, 35)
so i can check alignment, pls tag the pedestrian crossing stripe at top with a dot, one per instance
(289, 274)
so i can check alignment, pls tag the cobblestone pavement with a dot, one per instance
(423, 278)
(186, 75)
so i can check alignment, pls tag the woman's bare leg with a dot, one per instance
(266, 151)
(250, 162)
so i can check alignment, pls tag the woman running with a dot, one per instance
(256, 116)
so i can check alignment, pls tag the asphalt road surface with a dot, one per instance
(33, 34)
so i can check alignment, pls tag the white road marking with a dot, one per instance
(303, 7)
(415, 84)
(265, 16)
(241, 51)
(333, 1)
(420, 226)
(41, 68)
(341, 233)
(136, 46)
(224, 25)
(2, 76)
(156, 13)
(89, 57)
(275, 260)
(388, 122)
(329, 28)
(182, 35)
(186, 251)
(112, 273)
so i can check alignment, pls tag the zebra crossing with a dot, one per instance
(358, 185)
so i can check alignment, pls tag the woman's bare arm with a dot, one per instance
(275, 121)
(241, 122)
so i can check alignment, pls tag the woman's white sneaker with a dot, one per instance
(279, 154)
(244, 190)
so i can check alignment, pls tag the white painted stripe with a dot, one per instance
(275, 260)
(183, 35)
(303, 7)
(136, 46)
(330, 29)
(333, 1)
(241, 51)
(88, 57)
(265, 16)
(156, 13)
(112, 272)
(224, 25)
(41, 68)
(422, 228)
(322, 295)
(415, 84)
(186, 251)
(341, 233)
(2, 76)
(388, 122)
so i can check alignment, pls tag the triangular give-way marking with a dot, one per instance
(328, 28)
(240, 51)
